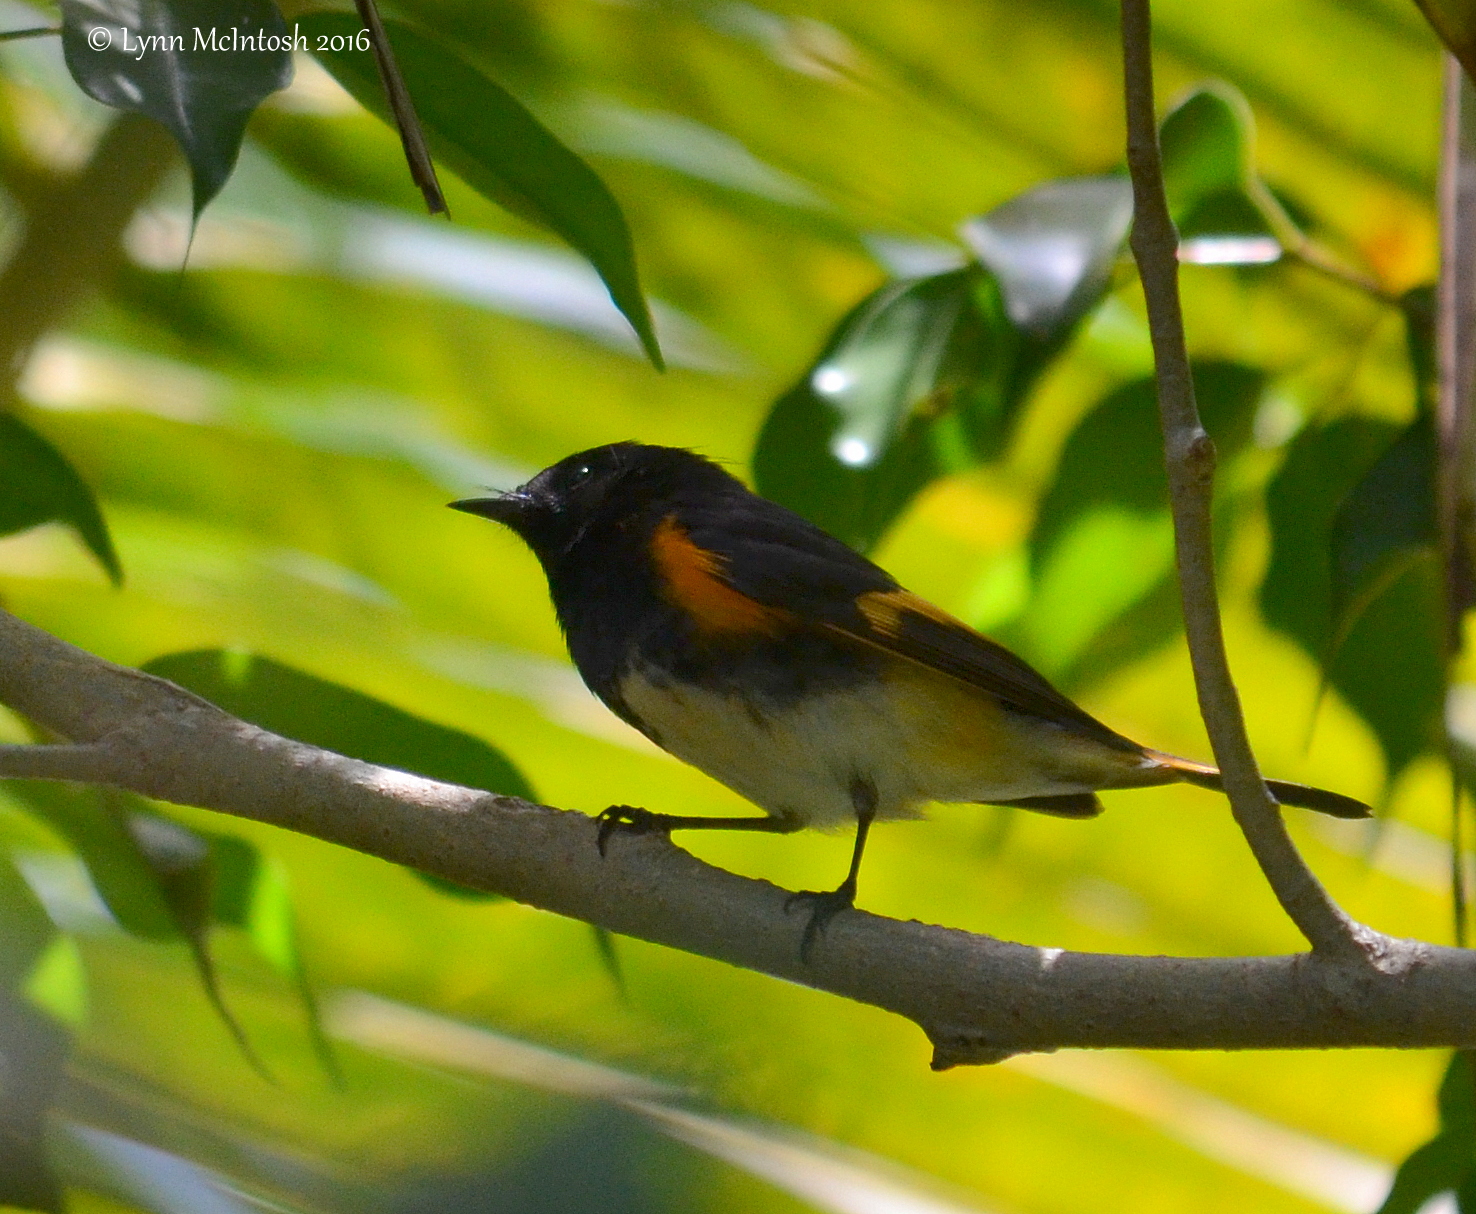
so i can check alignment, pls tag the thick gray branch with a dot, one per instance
(977, 998)
(1190, 458)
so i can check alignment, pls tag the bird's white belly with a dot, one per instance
(804, 759)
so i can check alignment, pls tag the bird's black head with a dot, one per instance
(599, 492)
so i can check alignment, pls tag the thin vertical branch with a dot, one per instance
(402, 109)
(1190, 458)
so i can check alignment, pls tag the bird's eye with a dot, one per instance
(581, 472)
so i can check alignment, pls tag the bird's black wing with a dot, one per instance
(779, 560)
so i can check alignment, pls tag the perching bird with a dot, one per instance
(751, 644)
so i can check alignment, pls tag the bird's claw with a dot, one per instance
(628, 817)
(824, 906)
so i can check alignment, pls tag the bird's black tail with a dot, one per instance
(1303, 795)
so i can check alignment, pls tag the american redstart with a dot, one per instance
(748, 642)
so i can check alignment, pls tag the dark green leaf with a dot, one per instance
(926, 376)
(1101, 552)
(1217, 202)
(498, 147)
(33, 1053)
(1206, 145)
(1386, 521)
(25, 928)
(1448, 1160)
(851, 444)
(37, 486)
(313, 710)
(1389, 666)
(199, 67)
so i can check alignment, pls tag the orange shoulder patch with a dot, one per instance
(885, 609)
(691, 580)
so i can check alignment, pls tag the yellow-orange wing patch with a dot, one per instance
(691, 579)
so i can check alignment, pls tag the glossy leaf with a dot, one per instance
(499, 148)
(1388, 663)
(926, 376)
(1103, 541)
(38, 485)
(1052, 249)
(199, 67)
(33, 1053)
(298, 705)
(1447, 1161)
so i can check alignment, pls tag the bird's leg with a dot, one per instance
(825, 905)
(643, 822)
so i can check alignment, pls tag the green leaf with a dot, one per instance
(183, 864)
(199, 67)
(124, 878)
(33, 1054)
(1446, 1161)
(1388, 663)
(498, 147)
(1103, 541)
(926, 376)
(25, 927)
(320, 713)
(57, 983)
(38, 485)
(1052, 250)
(1384, 523)
(1217, 201)
(1206, 142)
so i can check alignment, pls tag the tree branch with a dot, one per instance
(977, 998)
(1190, 458)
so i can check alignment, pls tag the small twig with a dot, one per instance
(1190, 458)
(39, 31)
(407, 121)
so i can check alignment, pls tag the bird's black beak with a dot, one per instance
(508, 508)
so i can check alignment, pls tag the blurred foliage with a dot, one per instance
(881, 245)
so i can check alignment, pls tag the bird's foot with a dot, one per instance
(630, 818)
(824, 906)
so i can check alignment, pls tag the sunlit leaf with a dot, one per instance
(199, 67)
(33, 1052)
(926, 375)
(38, 485)
(313, 710)
(1052, 249)
(1447, 1160)
(57, 983)
(1389, 664)
(1103, 541)
(252, 893)
(498, 147)
(182, 863)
